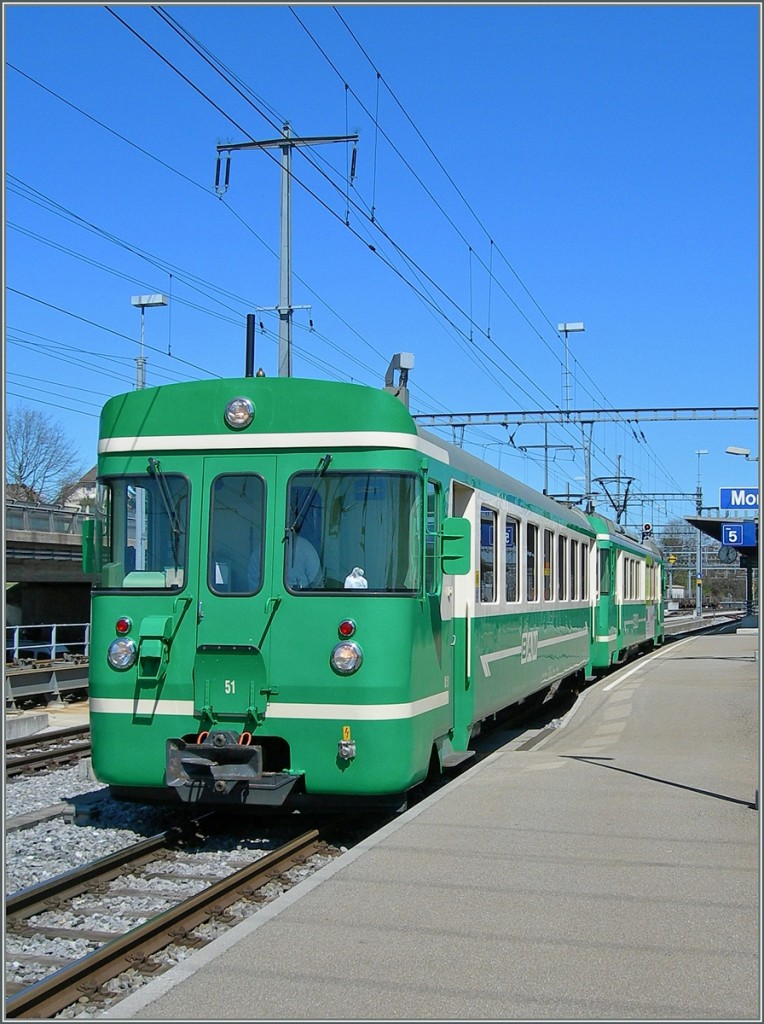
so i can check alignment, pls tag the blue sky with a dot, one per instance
(518, 166)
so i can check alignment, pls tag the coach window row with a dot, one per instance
(633, 579)
(652, 581)
(552, 563)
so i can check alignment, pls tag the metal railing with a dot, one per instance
(44, 518)
(67, 641)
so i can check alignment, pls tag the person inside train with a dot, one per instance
(303, 566)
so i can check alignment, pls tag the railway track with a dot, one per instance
(29, 754)
(35, 913)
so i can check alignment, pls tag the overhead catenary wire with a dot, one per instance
(461, 196)
(407, 164)
(308, 157)
(332, 212)
(429, 148)
(110, 330)
(156, 261)
(205, 189)
(91, 225)
(435, 308)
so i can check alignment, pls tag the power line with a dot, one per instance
(452, 182)
(109, 330)
(433, 304)
(54, 405)
(427, 190)
(321, 201)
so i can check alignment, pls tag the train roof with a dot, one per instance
(604, 525)
(282, 405)
(507, 486)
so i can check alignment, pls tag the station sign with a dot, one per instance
(739, 497)
(739, 535)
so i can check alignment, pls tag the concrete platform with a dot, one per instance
(20, 724)
(610, 872)
(55, 716)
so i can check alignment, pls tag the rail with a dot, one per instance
(126, 951)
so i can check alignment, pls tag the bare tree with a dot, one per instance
(39, 457)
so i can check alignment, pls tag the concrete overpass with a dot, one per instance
(43, 564)
(43, 543)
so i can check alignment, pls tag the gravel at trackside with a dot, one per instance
(52, 847)
(33, 792)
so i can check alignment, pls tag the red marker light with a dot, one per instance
(346, 628)
(123, 625)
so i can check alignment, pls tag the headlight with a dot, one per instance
(122, 653)
(239, 413)
(346, 658)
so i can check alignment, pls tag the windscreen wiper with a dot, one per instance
(164, 491)
(299, 516)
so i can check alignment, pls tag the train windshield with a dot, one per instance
(144, 530)
(355, 532)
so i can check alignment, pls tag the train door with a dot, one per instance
(608, 615)
(234, 587)
(439, 593)
(463, 503)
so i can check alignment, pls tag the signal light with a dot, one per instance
(123, 625)
(346, 628)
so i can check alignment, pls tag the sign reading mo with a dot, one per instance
(739, 497)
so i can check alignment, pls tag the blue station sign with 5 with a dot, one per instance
(739, 535)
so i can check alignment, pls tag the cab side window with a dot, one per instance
(431, 573)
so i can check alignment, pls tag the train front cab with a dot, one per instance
(240, 684)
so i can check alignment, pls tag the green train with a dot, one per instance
(628, 601)
(302, 599)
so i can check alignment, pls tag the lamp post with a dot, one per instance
(699, 555)
(732, 450)
(567, 329)
(746, 453)
(142, 301)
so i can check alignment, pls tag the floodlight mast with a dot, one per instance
(142, 301)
